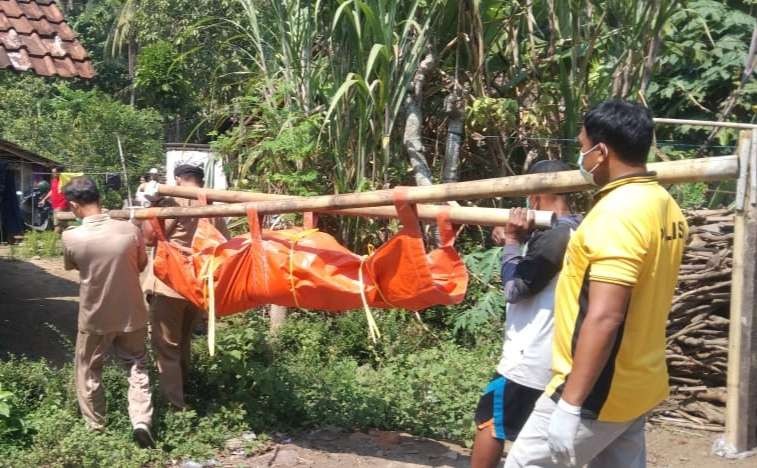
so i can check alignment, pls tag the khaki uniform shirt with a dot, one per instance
(109, 255)
(180, 231)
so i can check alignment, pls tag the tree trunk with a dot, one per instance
(654, 47)
(278, 316)
(414, 122)
(412, 138)
(453, 104)
(131, 57)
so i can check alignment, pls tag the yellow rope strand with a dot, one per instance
(294, 238)
(375, 283)
(291, 273)
(211, 309)
(209, 292)
(373, 330)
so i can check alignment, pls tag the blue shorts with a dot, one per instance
(505, 406)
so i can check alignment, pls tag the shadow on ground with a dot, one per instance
(38, 310)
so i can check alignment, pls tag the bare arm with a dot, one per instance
(148, 234)
(607, 311)
(68, 257)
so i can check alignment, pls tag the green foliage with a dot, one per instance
(11, 425)
(691, 196)
(279, 154)
(489, 307)
(319, 370)
(483, 310)
(78, 128)
(162, 78)
(487, 113)
(703, 59)
(93, 25)
(40, 243)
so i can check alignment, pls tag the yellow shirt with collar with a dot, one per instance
(633, 236)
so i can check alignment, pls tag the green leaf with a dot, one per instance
(373, 56)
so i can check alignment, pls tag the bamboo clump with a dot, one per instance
(697, 334)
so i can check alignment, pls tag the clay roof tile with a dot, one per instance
(35, 36)
(11, 8)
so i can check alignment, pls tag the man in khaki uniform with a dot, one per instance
(173, 318)
(109, 255)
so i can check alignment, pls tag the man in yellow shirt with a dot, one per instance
(611, 305)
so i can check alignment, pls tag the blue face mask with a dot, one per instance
(587, 175)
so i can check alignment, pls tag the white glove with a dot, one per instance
(561, 437)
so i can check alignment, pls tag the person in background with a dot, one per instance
(174, 318)
(56, 198)
(530, 263)
(44, 187)
(611, 305)
(143, 195)
(109, 254)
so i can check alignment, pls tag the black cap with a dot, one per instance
(188, 169)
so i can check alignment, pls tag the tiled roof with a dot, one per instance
(35, 36)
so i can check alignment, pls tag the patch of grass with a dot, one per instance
(38, 243)
(320, 370)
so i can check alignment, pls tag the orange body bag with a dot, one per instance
(308, 269)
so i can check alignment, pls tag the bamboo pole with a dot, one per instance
(693, 170)
(457, 214)
(696, 170)
(706, 123)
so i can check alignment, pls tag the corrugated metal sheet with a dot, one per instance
(34, 36)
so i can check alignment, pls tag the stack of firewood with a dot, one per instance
(697, 343)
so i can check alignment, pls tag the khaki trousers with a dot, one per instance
(173, 321)
(129, 348)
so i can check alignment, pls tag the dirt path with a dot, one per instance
(38, 308)
(332, 448)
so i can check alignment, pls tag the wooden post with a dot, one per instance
(741, 406)
(278, 315)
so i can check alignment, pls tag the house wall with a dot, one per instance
(26, 174)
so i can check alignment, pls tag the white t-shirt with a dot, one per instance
(527, 351)
(530, 280)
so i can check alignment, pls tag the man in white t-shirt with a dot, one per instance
(530, 265)
(145, 195)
